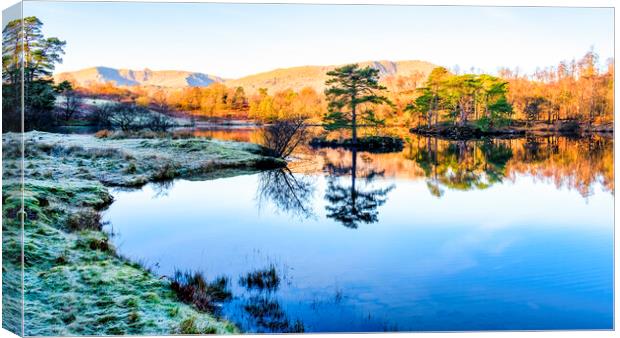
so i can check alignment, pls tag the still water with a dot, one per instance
(477, 235)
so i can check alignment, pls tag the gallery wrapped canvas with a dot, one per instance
(232, 168)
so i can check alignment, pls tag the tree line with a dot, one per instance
(461, 98)
(579, 90)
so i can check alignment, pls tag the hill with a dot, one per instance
(275, 80)
(315, 76)
(146, 77)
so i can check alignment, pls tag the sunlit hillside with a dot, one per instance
(297, 78)
(294, 78)
(146, 77)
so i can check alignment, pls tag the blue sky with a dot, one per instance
(233, 40)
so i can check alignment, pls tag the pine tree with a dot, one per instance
(351, 88)
(25, 51)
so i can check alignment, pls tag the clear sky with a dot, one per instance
(233, 40)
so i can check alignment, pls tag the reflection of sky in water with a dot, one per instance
(518, 255)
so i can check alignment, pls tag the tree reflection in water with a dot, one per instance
(461, 165)
(289, 193)
(352, 205)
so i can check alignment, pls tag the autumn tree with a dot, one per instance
(578, 90)
(460, 98)
(429, 102)
(285, 104)
(239, 100)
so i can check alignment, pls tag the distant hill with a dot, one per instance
(314, 76)
(146, 77)
(275, 80)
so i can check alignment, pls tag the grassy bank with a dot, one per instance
(75, 283)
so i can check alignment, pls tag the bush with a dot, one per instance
(166, 172)
(104, 133)
(86, 219)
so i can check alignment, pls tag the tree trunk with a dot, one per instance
(430, 118)
(353, 123)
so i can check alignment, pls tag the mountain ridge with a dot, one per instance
(295, 78)
(145, 77)
(315, 76)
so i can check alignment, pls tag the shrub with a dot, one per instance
(104, 133)
(167, 171)
(86, 219)
(131, 168)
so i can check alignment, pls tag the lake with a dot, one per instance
(443, 236)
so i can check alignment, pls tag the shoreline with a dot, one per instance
(75, 281)
(471, 131)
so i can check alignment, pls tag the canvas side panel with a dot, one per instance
(12, 173)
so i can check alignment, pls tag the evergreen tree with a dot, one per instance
(351, 88)
(25, 51)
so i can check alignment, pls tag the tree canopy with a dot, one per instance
(460, 98)
(352, 88)
(26, 51)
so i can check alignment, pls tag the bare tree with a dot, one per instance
(159, 122)
(283, 136)
(71, 104)
(102, 115)
(129, 116)
(289, 193)
(71, 100)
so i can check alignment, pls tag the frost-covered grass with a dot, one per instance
(133, 161)
(75, 283)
